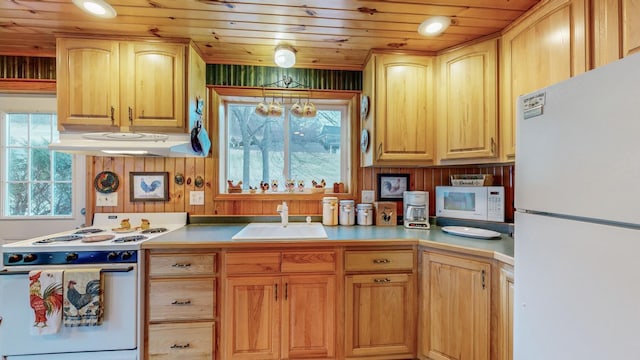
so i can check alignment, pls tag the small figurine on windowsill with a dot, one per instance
(231, 189)
(290, 185)
(274, 185)
(300, 185)
(264, 186)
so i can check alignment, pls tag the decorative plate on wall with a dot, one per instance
(106, 182)
(364, 107)
(364, 140)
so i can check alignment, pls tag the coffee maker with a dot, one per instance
(416, 209)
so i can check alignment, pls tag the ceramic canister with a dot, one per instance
(347, 212)
(365, 214)
(330, 210)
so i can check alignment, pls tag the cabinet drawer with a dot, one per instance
(181, 299)
(182, 264)
(309, 261)
(258, 262)
(181, 341)
(379, 260)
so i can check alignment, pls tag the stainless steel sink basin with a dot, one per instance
(275, 231)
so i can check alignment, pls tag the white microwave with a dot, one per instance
(470, 202)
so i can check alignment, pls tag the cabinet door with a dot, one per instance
(467, 102)
(251, 319)
(455, 308)
(547, 47)
(153, 85)
(616, 30)
(380, 312)
(308, 318)
(404, 110)
(505, 313)
(88, 83)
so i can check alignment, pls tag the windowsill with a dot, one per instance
(246, 195)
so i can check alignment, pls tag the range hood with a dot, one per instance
(128, 144)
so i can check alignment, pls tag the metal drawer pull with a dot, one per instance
(381, 261)
(26, 272)
(382, 281)
(185, 265)
(180, 346)
(181, 302)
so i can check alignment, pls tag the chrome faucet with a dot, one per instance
(284, 213)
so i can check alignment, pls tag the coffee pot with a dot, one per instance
(416, 209)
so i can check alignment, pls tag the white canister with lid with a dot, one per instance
(330, 210)
(347, 212)
(365, 214)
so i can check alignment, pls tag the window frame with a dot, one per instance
(21, 227)
(219, 94)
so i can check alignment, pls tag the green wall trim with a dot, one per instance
(257, 76)
(27, 67)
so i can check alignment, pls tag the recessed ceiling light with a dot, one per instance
(285, 56)
(98, 8)
(433, 26)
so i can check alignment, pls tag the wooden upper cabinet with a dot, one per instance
(467, 103)
(616, 30)
(88, 83)
(546, 46)
(152, 77)
(109, 85)
(402, 109)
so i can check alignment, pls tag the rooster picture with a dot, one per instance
(47, 303)
(392, 187)
(81, 300)
(150, 187)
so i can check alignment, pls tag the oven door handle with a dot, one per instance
(26, 272)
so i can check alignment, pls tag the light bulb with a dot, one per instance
(284, 57)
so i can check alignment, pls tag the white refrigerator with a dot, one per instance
(577, 221)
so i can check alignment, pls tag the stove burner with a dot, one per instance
(59, 238)
(132, 238)
(153, 231)
(88, 231)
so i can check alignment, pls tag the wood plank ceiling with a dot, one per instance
(327, 34)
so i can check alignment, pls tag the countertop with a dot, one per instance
(199, 236)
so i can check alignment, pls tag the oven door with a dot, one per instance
(117, 332)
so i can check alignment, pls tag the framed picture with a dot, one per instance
(149, 186)
(391, 186)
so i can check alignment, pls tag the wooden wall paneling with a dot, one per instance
(200, 171)
(138, 165)
(169, 166)
(118, 168)
(190, 178)
(211, 174)
(179, 190)
(631, 27)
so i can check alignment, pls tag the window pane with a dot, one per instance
(18, 130)
(40, 199)
(62, 199)
(315, 147)
(255, 147)
(40, 129)
(18, 199)
(17, 165)
(40, 164)
(62, 167)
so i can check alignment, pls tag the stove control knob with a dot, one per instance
(126, 255)
(14, 258)
(112, 256)
(72, 257)
(30, 258)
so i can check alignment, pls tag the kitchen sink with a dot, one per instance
(275, 231)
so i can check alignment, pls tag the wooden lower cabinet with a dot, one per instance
(380, 315)
(180, 306)
(505, 313)
(279, 316)
(455, 308)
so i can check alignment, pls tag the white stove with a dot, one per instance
(106, 241)
(116, 253)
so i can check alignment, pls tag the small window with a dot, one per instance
(36, 182)
(289, 153)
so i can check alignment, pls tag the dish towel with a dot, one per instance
(45, 298)
(83, 297)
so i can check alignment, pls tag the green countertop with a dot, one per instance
(219, 235)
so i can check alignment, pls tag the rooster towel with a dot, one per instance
(45, 298)
(83, 304)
